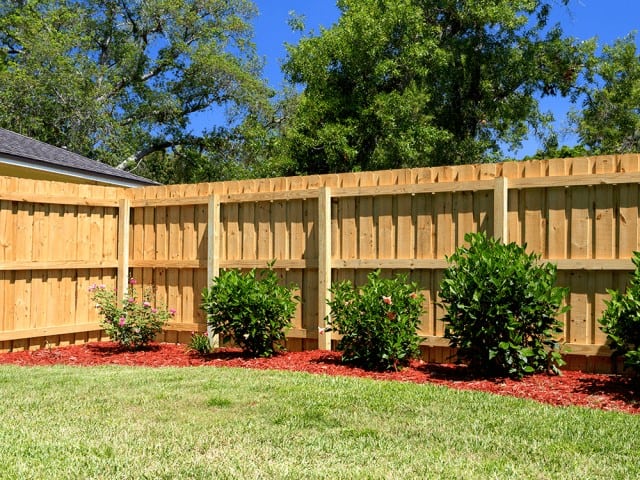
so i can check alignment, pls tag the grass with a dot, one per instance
(119, 422)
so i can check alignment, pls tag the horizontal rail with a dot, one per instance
(57, 265)
(406, 189)
(575, 180)
(624, 264)
(49, 331)
(566, 348)
(53, 200)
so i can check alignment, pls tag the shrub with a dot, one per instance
(254, 311)
(377, 321)
(134, 324)
(200, 343)
(621, 320)
(501, 307)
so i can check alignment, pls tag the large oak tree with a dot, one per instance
(121, 80)
(401, 83)
(609, 122)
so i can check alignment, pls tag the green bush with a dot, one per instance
(501, 307)
(621, 320)
(377, 321)
(134, 324)
(253, 311)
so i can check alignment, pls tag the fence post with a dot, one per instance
(324, 266)
(124, 217)
(500, 209)
(213, 251)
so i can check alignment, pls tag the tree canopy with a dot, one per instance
(400, 83)
(394, 83)
(609, 122)
(119, 80)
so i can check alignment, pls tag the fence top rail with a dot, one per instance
(337, 192)
(399, 189)
(55, 200)
(575, 180)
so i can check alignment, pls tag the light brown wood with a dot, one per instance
(55, 265)
(124, 216)
(393, 264)
(500, 208)
(48, 331)
(581, 214)
(324, 266)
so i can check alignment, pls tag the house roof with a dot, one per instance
(20, 151)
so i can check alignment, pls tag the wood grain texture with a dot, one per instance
(56, 239)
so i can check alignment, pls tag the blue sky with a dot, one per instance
(584, 19)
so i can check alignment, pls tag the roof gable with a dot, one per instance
(31, 153)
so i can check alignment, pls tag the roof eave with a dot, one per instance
(73, 172)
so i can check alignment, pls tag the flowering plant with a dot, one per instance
(200, 343)
(134, 324)
(378, 321)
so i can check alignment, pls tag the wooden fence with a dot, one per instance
(57, 239)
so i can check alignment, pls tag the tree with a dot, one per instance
(401, 83)
(120, 80)
(609, 122)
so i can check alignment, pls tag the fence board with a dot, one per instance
(580, 213)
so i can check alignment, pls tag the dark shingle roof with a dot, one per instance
(42, 155)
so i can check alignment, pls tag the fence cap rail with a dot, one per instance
(57, 200)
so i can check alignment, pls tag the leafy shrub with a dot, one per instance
(501, 308)
(200, 343)
(134, 324)
(252, 311)
(377, 321)
(621, 320)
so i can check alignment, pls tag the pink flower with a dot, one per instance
(132, 281)
(146, 304)
(391, 315)
(132, 300)
(172, 311)
(154, 310)
(122, 321)
(387, 300)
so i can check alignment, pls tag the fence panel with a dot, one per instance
(57, 239)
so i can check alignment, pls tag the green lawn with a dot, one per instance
(215, 423)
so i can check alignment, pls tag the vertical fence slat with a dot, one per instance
(124, 218)
(324, 266)
(500, 208)
(213, 251)
(594, 222)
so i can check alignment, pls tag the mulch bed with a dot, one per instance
(606, 392)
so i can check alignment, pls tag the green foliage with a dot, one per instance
(254, 311)
(403, 83)
(120, 81)
(200, 343)
(134, 323)
(609, 122)
(377, 321)
(501, 308)
(621, 320)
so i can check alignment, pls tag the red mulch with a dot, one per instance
(606, 392)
